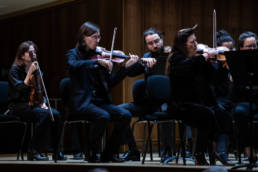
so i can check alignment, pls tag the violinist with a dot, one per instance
(224, 39)
(92, 80)
(153, 39)
(222, 90)
(246, 41)
(21, 83)
(191, 97)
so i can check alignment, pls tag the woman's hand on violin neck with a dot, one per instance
(28, 80)
(222, 48)
(150, 62)
(44, 106)
(106, 63)
(133, 59)
(34, 66)
(211, 53)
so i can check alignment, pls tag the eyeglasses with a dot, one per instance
(251, 46)
(153, 42)
(96, 37)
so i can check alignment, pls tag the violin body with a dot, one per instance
(36, 95)
(220, 57)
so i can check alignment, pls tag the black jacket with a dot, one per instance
(190, 80)
(18, 92)
(90, 81)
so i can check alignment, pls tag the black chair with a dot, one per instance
(154, 91)
(70, 116)
(12, 130)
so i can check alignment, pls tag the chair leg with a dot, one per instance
(134, 125)
(182, 138)
(59, 139)
(144, 142)
(20, 151)
(159, 140)
(182, 144)
(85, 147)
(239, 146)
(31, 132)
(150, 126)
(147, 142)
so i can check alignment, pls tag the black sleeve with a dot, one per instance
(75, 62)
(16, 81)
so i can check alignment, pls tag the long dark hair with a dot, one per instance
(179, 45)
(23, 47)
(86, 29)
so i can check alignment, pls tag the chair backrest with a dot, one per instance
(3, 96)
(139, 94)
(154, 90)
(3, 92)
(64, 87)
(158, 88)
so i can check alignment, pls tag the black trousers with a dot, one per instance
(101, 115)
(209, 121)
(166, 133)
(242, 116)
(46, 133)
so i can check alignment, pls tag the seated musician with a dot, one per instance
(153, 39)
(26, 100)
(92, 80)
(191, 97)
(222, 89)
(246, 41)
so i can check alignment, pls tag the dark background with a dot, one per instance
(54, 29)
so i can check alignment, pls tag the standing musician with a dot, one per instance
(246, 41)
(153, 39)
(91, 82)
(191, 97)
(26, 100)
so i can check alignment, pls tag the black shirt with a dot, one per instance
(18, 92)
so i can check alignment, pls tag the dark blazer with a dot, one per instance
(159, 67)
(18, 92)
(190, 80)
(90, 80)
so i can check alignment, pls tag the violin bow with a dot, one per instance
(113, 42)
(45, 91)
(214, 29)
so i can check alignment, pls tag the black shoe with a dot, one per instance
(131, 155)
(165, 156)
(169, 159)
(60, 156)
(112, 158)
(78, 156)
(223, 158)
(200, 159)
(252, 160)
(37, 157)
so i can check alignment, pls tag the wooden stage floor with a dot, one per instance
(8, 163)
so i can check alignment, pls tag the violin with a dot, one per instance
(36, 94)
(220, 51)
(117, 55)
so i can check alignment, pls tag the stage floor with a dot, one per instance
(9, 163)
